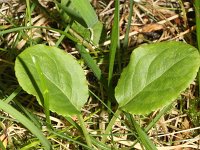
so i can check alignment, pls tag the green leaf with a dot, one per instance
(72, 13)
(79, 10)
(97, 31)
(81, 30)
(156, 75)
(45, 71)
(88, 27)
(86, 10)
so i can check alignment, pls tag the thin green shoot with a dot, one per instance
(76, 39)
(13, 95)
(19, 35)
(64, 136)
(110, 125)
(29, 115)
(141, 135)
(114, 42)
(62, 37)
(109, 109)
(28, 20)
(113, 119)
(41, 27)
(84, 129)
(126, 38)
(153, 121)
(69, 138)
(113, 48)
(99, 144)
(158, 116)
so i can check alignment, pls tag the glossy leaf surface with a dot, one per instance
(156, 75)
(51, 74)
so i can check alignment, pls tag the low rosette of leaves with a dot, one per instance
(156, 75)
(54, 77)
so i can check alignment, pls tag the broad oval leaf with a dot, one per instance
(156, 75)
(48, 71)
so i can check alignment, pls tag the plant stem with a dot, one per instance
(126, 38)
(197, 12)
(85, 132)
(110, 125)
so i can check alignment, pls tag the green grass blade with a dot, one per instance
(113, 47)
(84, 129)
(114, 42)
(13, 95)
(74, 39)
(28, 13)
(62, 36)
(28, 20)
(144, 138)
(110, 125)
(100, 145)
(73, 123)
(126, 38)
(125, 42)
(41, 27)
(31, 145)
(141, 135)
(104, 104)
(95, 142)
(158, 116)
(64, 136)
(26, 122)
(28, 114)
